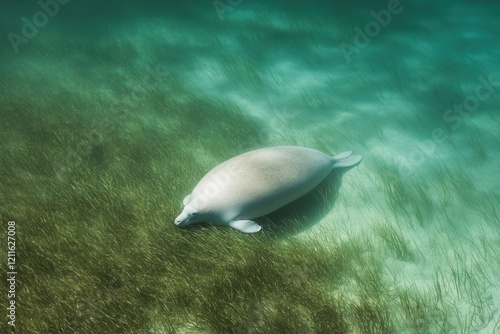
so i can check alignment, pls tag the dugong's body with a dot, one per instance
(257, 183)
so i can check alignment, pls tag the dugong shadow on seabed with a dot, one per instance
(306, 211)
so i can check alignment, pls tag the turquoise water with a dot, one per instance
(111, 113)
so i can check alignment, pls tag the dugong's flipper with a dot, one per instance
(245, 226)
(186, 199)
(346, 159)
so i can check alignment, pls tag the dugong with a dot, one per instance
(257, 183)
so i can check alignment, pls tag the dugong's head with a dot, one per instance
(188, 216)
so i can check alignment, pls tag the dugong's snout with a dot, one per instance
(181, 220)
(187, 216)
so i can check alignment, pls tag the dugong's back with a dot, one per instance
(261, 181)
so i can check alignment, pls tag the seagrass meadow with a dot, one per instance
(111, 112)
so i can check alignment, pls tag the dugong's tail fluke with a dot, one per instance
(346, 159)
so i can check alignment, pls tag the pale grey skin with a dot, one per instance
(257, 183)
